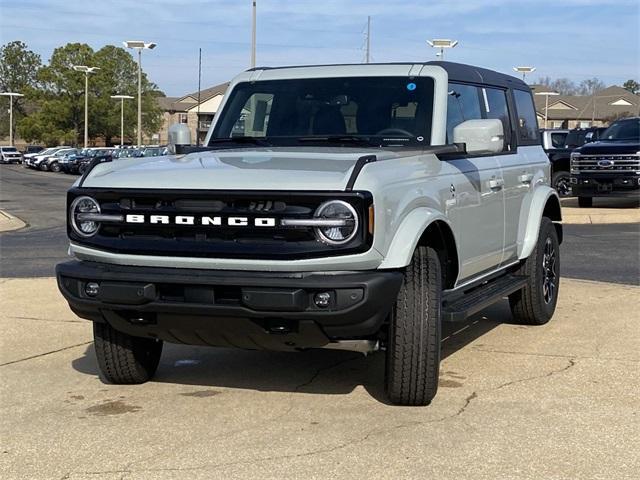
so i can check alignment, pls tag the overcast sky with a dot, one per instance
(577, 39)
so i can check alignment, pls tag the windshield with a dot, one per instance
(623, 130)
(376, 110)
(9, 149)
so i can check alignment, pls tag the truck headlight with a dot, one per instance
(337, 222)
(80, 214)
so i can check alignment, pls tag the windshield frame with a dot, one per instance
(420, 138)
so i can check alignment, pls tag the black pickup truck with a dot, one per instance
(558, 145)
(609, 167)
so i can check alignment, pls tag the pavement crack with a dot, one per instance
(45, 354)
(467, 402)
(555, 355)
(572, 363)
(47, 320)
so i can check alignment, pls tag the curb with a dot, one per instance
(8, 222)
(606, 211)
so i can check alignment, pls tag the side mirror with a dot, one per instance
(480, 136)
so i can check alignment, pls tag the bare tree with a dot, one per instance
(591, 86)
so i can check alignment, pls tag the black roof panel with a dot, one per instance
(458, 72)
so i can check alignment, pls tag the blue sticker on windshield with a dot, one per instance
(411, 86)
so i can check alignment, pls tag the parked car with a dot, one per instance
(97, 154)
(609, 167)
(579, 136)
(33, 160)
(360, 207)
(553, 143)
(33, 149)
(154, 151)
(10, 155)
(52, 162)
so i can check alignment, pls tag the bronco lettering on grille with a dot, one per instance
(204, 220)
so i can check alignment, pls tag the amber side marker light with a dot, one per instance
(371, 219)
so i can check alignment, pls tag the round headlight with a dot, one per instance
(342, 221)
(79, 208)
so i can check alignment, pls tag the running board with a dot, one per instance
(459, 308)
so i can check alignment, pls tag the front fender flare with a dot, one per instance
(400, 250)
(528, 236)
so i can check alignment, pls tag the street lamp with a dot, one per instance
(139, 45)
(546, 104)
(122, 98)
(11, 95)
(442, 43)
(86, 70)
(524, 70)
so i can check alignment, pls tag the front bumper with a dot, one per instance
(273, 310)
(605, 185)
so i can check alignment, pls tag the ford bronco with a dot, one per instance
(350, 207)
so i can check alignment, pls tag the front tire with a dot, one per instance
(55, 167)
(413, 350)
(124, 359)
(536, 302)
(585, 202)
(561, 181)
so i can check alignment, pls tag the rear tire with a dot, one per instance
(536, 302)
(125, 359)
(585, 202)
(55, 167)
(413, 350)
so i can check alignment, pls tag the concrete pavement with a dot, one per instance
(604, 211)
(553, 402)
(9, 223)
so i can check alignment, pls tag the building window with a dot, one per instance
(182, 118)
(585, 124)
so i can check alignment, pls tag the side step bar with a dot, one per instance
(459, 308)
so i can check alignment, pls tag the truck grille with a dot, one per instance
(605, 163)
(224, 241)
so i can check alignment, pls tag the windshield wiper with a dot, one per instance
(251, 140)
(337, 139)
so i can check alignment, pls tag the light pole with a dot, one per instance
(442, 43)
(11, 95)
(122, 98)
(139, 45)
(253, 33)
(524, 70)
(86, 70)
(546, 104)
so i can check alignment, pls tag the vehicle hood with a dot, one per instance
(604, 147)
(306, 168)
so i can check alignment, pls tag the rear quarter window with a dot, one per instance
(527, 122)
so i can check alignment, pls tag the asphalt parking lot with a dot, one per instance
(553, 402)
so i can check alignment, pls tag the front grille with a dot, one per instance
(605, 163)
(223, 241)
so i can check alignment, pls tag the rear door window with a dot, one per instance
(527, 121)
(494, 102)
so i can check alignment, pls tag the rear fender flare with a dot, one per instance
(545, 198)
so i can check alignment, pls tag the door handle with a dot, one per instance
(526, 178)
(496, 183)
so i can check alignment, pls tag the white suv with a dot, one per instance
(348, 207)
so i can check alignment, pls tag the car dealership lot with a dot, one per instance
(558, 401)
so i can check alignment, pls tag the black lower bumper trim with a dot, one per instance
(231, 308)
